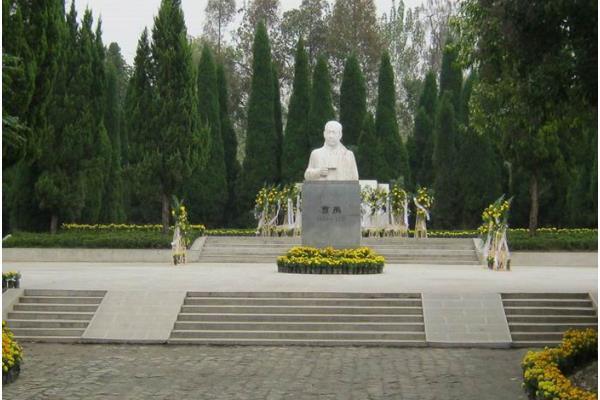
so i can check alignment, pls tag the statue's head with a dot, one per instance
(332, 133)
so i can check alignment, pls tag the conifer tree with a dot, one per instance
(278, 120)
(206, 193)
(321, 107)
(296, 149)
(179, 141)
(260, 162)
(368, 157)
(139, 111)
(393, 152)
(353, 101)
(451, 76)
(446, 213)
(424, 132)
(230, 146)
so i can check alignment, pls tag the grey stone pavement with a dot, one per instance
(54, 371)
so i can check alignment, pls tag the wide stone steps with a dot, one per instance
(395, 250)
(318, 319)
(57, 316)
(541, 319)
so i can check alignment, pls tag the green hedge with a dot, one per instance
(565, 240)
(95, 240)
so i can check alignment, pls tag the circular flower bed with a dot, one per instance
(12, 354)
(310, 260)
(543, 371)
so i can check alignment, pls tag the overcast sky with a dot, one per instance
(124, 20)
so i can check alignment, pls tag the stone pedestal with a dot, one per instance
(331, 214)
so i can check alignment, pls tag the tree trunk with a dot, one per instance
(535, 206)
(165, 213)
(53, 223)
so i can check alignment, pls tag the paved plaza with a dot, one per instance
(55, 371)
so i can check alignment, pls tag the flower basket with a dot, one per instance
(329, 261)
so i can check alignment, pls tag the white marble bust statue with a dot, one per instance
(333, 161)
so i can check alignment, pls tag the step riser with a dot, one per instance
(551, 319)
(530, 296)
(299, 318)
(300, 327)
(225, 259)
(47, 332)
(298, 310)
(554, 311)
(547, 303)
(13, 324)
(54, 308)
(535, 344)
(538, 336)
(54, 316)
(297, 335)
(60, 300)
(65, 293)
(302, 302)
(316, 343)
(48, 339)
(550, 327)
(306, 295)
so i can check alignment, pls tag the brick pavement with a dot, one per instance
(57, 371)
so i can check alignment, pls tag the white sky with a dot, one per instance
(124, 20)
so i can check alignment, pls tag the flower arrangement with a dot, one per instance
(288, 192)
(495, 216)
(494, 228)
(11, 279)
(179, 214)
(376, 199)
(424, 198)
(398, 198)
(543, 371)
(12, 355)
(311, 260)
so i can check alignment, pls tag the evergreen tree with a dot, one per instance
(451, 76)
(206, 193)
(278, 120)
(179, 142)
(479, 172)
(424, 132)
(368, 157)
(353, 101)
(447, 182)
(321, 107)
(142, 204)
(260, 163)
(395, 159)
(230, 145)
(122, 70)
(413, 161)
(296, 149)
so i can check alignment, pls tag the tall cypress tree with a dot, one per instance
(206, 193)
(369, 156)
(321, 107)
(139, 112)
(230, 145)
(424, 132)
(479, 172)
(353, 101)
(260, 163)
(446, 186)
(180, 143)
(451, 76)
(395, 159)
(278, 120)
(296, 149)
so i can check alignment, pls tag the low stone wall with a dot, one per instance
(91, 255)
(554, 259)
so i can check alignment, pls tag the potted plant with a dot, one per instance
(11, 279)
(490, 262)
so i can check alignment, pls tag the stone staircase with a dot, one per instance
(541, 319)
(314, 319)
(221, 249)
(53, 315)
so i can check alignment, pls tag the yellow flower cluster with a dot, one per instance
(495, 216)
(11, 275)
(397, 198)
(12, 353)
(268, 196)
(330, 257)
(120, 227)
(425, 199)
(542, 375)
(375, 198)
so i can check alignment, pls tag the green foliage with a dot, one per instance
(296, 148)
(230, 145)
(368, 159)
(393, 152)
(447, 182)
(451, 75)
(278, 121)
(205, 193)
(321, 107)
(424, 132)
(353, 101)
(260, 163)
